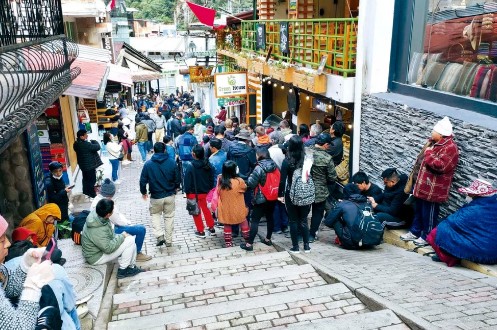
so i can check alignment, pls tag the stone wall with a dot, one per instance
(16, 192)
(392, 135)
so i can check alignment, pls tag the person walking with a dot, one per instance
(231, 205)
(263, 204)
(432, 179)
(162, 176)
(114, 150)
(88, 161)
(297, 214)
(141, 139)
(160, 126)
(199, 178)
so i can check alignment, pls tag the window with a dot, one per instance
(446, 51)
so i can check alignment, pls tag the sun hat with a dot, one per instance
(479, 187)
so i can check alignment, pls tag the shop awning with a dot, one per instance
(120, 74)
(91, 81)
(145, 75)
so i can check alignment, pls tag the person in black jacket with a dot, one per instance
(366, 187)
(88, 161)
(342, 217)
(163, 179)
(261, 205)
(199, 180)
(56, 189)
(389, 207)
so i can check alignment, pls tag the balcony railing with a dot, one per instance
(309, 42)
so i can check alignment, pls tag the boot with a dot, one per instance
(128, 155)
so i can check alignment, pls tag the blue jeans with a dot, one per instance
(425, 218)
(280, 217)
(136, 230)
(142, 147)
(115, 168)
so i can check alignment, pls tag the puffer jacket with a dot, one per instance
(204, 176)
(436, 171)
(323, 173)
(244, 157)
(87, 154)
(98, 238)
(258, 177)
(392, 200)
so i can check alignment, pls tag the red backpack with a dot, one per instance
(270, 188)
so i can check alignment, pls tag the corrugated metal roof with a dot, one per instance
(94, 54)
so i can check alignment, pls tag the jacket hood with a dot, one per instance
(201, 163)
(321, 157)
(357, 198)
(268, 165)
(159, 158)
(94, 220)
(399, 186)
(239, 149)
(50, 209)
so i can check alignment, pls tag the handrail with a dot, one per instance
(308, 41)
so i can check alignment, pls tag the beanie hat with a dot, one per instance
(22, 234)
(443, 127)
(108, 188)
(3, 225)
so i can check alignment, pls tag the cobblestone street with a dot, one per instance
(199, 284)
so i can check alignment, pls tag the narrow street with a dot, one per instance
(198, 284)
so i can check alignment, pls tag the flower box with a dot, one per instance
(281, 73)
(310, 82)
(259, 67)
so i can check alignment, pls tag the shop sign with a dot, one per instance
(200, 74)
(230, 102)
(284, 45)
(230, 84)
(107, 44)
(36, 165)
(261, 36)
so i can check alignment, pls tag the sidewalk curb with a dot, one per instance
(372, 300)
(105, 312)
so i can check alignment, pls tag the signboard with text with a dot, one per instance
(200, 74)
(230, 84)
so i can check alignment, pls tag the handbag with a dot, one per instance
(215, 197)
(192, 203)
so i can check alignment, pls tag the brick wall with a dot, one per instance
(392, 135)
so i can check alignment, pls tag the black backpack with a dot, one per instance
(77, 226)
(367, 230)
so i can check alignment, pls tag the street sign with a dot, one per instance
(230, 84)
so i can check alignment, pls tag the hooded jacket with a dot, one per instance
(162, 176)
(36, 222)
(258, 177)
(244, 157)
(323, 173)
(87, 154)
(98, 238)
(203, 172)
(392, 199)
(185, 145)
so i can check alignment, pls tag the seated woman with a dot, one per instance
(42, 222)
(470, 232)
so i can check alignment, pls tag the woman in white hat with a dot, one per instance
(470, 232)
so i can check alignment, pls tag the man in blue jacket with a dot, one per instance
(163, 179)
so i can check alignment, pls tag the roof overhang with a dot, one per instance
(91, 81)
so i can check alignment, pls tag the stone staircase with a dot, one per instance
(231, 288)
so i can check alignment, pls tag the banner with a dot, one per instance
(200, 74)
(284, 45)
(261, 36)
(230, 84)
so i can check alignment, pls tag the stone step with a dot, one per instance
(276, 309)
(181, 259)
(199, 285)
(365, 321)
(202, 269)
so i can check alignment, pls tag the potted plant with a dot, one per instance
(309, 80)
(260, 66)
(282, 71)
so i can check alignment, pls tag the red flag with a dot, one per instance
(111, 5)
(205, 15)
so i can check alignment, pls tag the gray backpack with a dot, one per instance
(301, 193)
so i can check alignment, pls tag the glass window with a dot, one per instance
(453, 47)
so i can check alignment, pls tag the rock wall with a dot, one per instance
(392, 135)
(16, 192)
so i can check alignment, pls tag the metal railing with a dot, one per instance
(309, 41)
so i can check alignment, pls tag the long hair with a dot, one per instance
(304, 131)
(229, 172)
(295, 152)
(107, 138)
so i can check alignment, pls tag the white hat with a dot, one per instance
(443, 127)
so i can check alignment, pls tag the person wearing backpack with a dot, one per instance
(264, 180)
(346, 218)
(297, 191)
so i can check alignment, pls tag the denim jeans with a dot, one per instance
(142, 147)
(136, 230)
(115, 168)
(280, 217)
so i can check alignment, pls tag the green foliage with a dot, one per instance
(157, 10)
(64, 229)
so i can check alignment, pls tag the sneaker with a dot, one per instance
(285, 230)
(200, 234)
(212, 231)
(408, 237)
(294, 250)
(128, 272)
(307, 248)
(267, 242)
(420, 242)
(219, 225)
(169, 244)
(160, 241)
(312, 238)
(245, 247)
(142, 257)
